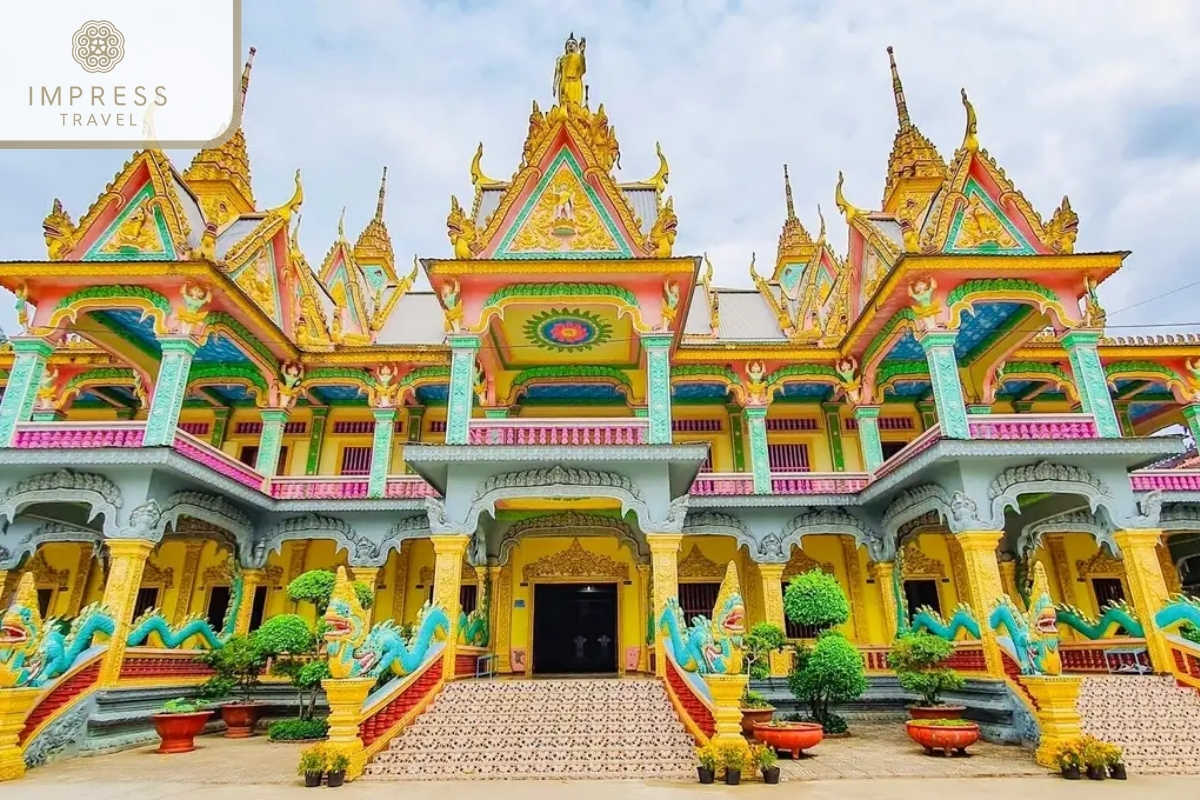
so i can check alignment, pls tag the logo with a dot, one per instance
(98, 46)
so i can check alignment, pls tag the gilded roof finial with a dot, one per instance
(478, 179)
(970, 139)
(292, 206)
(898, 92)
(663, 176)
(753, 272)
(246, 76)
(382, 196)
(787, 191)
(296, 233)
(848, 211)
(706, 279)
(342, 226)
(821, 233)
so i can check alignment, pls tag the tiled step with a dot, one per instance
(1154, 721)
(555, 729)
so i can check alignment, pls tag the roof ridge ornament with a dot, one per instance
(898, 92)
(971, 135)
(382, 196)
(569, 70)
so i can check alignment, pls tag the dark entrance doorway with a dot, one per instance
(575, 628)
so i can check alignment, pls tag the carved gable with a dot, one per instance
(801, 562)
(576, 562)
(697, 565)
(981, 226)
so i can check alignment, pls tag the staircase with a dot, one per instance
(1153, 719)
(598, 728)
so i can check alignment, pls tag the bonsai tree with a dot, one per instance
(915, 657)
(832, 671)
(316, 587)
(757, 645)
(815, 599)
(295, 652)
(238, 665)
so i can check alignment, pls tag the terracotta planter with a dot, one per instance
(936, 712)
(755, 716)
(240, 719)
(178, 731)
(949, 740)
(794, 737)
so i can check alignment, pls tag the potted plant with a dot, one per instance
(707, 756)
(766, 757)
(755, 711)
(948, 735)
(178, 724)
(916, 659)
(1112, 758)
(732, 756)
(1094, 756)
(794, 736)
(294, 652)
(1066, 758)
(237, 664)
(337, 767)
(757, 645)
(832, 671)
(312, 765)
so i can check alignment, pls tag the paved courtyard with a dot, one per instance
(847, 769)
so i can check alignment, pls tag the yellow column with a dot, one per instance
(346, 698)
(1169, 570)
(447, 583)
(983, 588)
(127, 561)
(1148, 591)
(400, 580)
(1058, 720)
(15, 705)
(251, 580)
(502, 617)
(884, 573)
(643, 586)
(369, 576)
(727, 691)
(187, 580)
(5, 574)
(771, 577)
(664, 561)
(1008, 578)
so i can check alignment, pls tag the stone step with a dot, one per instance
(1152, 719)
(559, 742)
(435, 727)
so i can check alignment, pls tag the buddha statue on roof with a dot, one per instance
(569, 70)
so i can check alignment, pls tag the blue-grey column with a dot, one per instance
(29, 367)
(170, 388)
(947, 387)
(1091, 382)
(658, 385)
(463, 350)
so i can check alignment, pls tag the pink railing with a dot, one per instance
(1167, 480)
(79, 435)
(818, 482)
(1026, 427)
(723, 484)
(918, 445)
(583, 431)
(204, 453)
(326, 487)
(405, 486)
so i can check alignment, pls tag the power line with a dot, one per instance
(1159, 297)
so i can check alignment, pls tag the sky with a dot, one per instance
(1097, 100)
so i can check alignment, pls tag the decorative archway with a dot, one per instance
(98, 493)
(570, 523)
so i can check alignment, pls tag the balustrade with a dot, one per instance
(1029, 427)
(569, 432)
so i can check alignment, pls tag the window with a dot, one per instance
(1108, 591)
(697, 598)
(147, 598)
(259, 608)
(44, 598)
(248, 455)
(218, 604)
(468, 597)
(356, 461)
(891, 448)
(920, 593)
(788, 457)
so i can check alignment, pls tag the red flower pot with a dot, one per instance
(178, 731)
(794, 737)
(755, 716)
(936, 712)
(948, 739)
(240, 719)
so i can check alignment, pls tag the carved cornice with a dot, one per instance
(917, 564)
(46, 576)
(576, 562)
(698, 565)
(801, 562)
(1100, 565)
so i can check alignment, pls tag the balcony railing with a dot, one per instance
(219, 462)
(910, 451)
(571, 432)
(1028, 427)
(318, 487)
(723, 484)
(818, 482)
(79, 435)
(1166, 480)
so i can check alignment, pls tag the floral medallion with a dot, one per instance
(567, 330)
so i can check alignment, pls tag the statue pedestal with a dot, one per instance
(15, 705)
(1057, 716)
(346, 698)
(727, 691)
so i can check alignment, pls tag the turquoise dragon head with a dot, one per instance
(21, 631)
(345, 630)
(1042, 621)
(728, 625)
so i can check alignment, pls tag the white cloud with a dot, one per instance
(732, 90)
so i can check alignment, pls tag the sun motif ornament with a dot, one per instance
(565, 330)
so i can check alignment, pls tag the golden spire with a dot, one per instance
(914, 158)
(794, 241)
(970, 137)
(220, 176)
(374, 245)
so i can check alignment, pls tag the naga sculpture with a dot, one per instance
(1034, 633)
(355, 652)
(709, 647)
(926, 620)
